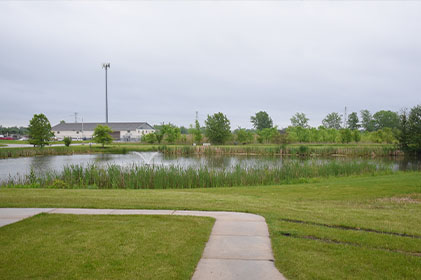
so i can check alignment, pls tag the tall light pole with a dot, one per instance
(106, 66)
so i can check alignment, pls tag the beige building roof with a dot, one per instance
(115, 126)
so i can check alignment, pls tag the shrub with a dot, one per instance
(346, 135)
(303, 150)
(149, 138)
(67, 141)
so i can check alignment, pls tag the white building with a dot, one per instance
(126, 131)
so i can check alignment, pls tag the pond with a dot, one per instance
(22, 166)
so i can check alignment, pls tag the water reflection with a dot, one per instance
(22, 166)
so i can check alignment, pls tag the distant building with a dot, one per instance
(126, 131)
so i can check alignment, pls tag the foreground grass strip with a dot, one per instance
(389, 203)
(351, 228)
(58, 246)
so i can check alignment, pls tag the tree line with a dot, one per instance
(13, 131)
(384, 126)
(403, 129)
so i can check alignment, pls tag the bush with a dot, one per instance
(346, 135)
(67, 141)
(243, 136)
(149, 138)
(303, 150)
(356, 135)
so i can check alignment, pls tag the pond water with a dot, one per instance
(22, 166)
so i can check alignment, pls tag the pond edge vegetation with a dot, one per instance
(265, 150)
(175, 177)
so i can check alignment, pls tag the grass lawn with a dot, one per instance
(366, 227)
(55, 246)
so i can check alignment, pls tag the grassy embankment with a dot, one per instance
(27, 142)
(367, 150)
(13, 142)
(102, 247)
(79, 149)
(162, 177)
(366, 227)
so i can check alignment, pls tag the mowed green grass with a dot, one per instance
(55, 246)
(338, 228)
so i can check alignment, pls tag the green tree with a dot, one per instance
(149, 138)
(383, 119)
(388, 135)
(243, 136)
(367, 121)
(261, 120)
(332, 120)
(218, 128)
(314, 135)
(159, 136)
(67, 141)
(404, 134)
(299, 120)
(268, 135)
(414, 128)
(353, 121)
(356, 136)
(346, 135)
(197, 133)
(183, 130)
(102, 135)
(171, 132)
(40, 132)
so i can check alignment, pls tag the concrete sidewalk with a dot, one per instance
(238, 248)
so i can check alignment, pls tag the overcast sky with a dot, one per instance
(171, 59)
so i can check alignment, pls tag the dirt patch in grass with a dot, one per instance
(414, 198)
(351, 228)
(334, 241)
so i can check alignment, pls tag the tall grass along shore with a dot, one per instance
(161, 177)
(268, 150)
(285, 150)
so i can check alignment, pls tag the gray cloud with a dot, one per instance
(169, 60)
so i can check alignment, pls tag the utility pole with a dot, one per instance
(106, 66)
(197, 115)
(75, 117)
